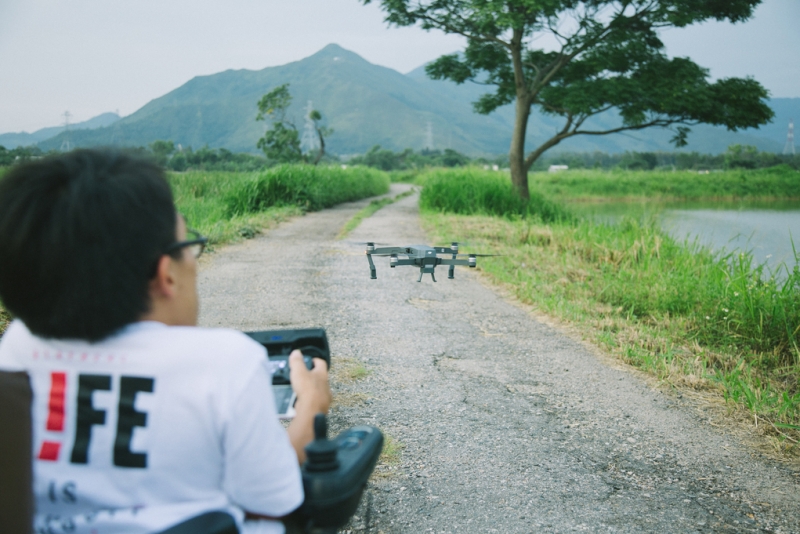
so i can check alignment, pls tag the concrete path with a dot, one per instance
(506, 424)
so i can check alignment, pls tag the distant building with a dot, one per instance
(558, 168)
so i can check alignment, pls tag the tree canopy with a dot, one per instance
(281, 142)
(606, 56)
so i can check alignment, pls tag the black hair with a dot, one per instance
(80, 236)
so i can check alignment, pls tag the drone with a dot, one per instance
(423, 256)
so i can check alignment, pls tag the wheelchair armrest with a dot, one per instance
(207, 523)
(16, 464)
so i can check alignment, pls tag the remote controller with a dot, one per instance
(280, 368)
(312, 342)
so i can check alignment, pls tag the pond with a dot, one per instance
(767, 229)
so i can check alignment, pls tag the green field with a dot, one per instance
(781, 182)
(681, 312)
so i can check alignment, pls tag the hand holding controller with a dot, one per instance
(310, 383)
(313, 343)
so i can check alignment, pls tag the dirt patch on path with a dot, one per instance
(506, 424)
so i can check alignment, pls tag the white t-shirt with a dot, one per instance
(153, 426)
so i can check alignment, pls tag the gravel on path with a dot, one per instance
(505, 424)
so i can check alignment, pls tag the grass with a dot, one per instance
(476, 191)
(692, 317)
(348, 370)
(390, 457)
(227, 206)
(5, 319)
(776, 182)
(368, 211)
(673, 309)
(392, 451)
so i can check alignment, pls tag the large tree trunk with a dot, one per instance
(516, 156)
(321, 146)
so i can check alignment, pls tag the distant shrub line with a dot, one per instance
(776, 182)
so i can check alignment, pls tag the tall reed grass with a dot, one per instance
(227, 205)
(475, 191)
(308, 187)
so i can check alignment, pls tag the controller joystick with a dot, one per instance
(321, 454)
(336, 472)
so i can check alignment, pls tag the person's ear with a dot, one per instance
(162, 285)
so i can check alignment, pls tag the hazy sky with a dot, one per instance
(93, 56)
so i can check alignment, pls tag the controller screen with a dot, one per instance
(283, 398)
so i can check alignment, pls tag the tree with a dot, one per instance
(322, 132)
(607, 57)
(282, 141)
(162, 150)
(741, 157)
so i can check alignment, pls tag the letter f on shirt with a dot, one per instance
(88, 416)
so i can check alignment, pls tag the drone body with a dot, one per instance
(423, 256)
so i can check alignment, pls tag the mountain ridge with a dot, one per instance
(16, 139)
(369, 105)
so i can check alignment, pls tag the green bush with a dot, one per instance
(227, 206)
(732, 300)
(473, 191)
(308, 187)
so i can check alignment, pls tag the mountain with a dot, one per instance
(13, 140)
(368, 104)
(365, 104)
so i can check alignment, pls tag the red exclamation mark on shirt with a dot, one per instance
(55, 415)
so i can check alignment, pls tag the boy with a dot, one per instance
(141, 420)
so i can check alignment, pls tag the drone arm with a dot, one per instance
(385, 251)
(448, 261)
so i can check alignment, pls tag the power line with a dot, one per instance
(429, 136)
(310, 139)
(789, 147)
(65, 144)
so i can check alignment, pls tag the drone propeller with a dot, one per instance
(365, 243)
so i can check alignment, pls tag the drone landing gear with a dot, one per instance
(422, 271)
(373, 274)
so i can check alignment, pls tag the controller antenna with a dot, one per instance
(321, 453)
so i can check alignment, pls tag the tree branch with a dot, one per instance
(448, 28)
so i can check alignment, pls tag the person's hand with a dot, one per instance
(311, 386)
(313, 397)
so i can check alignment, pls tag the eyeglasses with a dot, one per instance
(196, 244)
